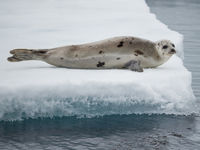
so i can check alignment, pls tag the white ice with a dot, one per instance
(36, 89)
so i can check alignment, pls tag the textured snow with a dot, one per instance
(35, 89)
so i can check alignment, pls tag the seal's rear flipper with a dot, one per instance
(26, 54)
(134, 66)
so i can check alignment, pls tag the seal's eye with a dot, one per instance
(173, 45)
(165, 47)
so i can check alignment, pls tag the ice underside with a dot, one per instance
(34, 89)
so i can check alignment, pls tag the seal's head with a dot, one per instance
(165, 48)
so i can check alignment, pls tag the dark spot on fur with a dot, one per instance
(61, 58)
(42, 51)
(76, 55)
(39, 52)
(101, 52)
(139, 52)
(118, 58)
(173, 45)
(120, 44)
(136, 54)
(100, 64)
(133, 39)
(130, 43)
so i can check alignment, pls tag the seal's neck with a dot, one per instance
(164, 58)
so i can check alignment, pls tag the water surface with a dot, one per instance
(108, 132)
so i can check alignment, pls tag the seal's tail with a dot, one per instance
(26, 54)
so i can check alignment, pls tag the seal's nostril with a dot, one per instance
(173, 51)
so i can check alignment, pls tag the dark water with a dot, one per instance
(109, 132)
(123, 132)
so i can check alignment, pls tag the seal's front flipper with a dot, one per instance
(134, 66)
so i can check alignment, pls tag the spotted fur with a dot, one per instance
(106, 54)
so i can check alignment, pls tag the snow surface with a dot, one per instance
(35, 89)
